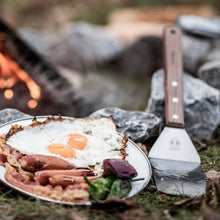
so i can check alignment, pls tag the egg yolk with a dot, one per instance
(62, 150)
(77, 141)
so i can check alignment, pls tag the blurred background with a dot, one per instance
(50, 15)
(85, 55)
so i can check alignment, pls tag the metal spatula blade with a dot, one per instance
(177, 168)
(176, 163)
(187, 178)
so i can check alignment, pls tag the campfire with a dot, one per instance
(30, 84)
(11, 73)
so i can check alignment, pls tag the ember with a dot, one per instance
(8, 94)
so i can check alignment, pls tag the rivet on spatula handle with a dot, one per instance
(173, 78)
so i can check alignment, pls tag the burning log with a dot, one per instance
(26, 77)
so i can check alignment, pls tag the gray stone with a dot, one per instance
(194, 51)
(200, 26)
(210, 73)
(82, 47)
(142, 57)
(136, 124)
(104, 90)
(10, 114)
(216, 19)
(201, 105)
(214, 53)
(36, 39)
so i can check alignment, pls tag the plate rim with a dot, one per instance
(58, 201)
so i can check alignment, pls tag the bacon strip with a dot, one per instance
(65, 180)
(42, 177)
(37, 162)
(78, 193)
(12, 156)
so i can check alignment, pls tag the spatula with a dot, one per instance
(175, 161)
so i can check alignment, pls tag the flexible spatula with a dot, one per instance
(176, 163)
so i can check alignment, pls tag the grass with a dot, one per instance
(151, 205)
(211, 158)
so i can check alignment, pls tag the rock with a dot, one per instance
(200, 26)
(210, 73)
(142, 57)
(100, 90)
(37, 40)
(10, 114)
(82, 47)
(214, 53)
(194, 51)
(136, 124)
(216, 20)
(201, 105)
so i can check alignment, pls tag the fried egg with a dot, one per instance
(81, 142)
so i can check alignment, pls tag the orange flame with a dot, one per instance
(11, 73)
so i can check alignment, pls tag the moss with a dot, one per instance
(210, 158)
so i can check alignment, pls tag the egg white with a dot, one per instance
(103, 140)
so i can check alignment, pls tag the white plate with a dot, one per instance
(136, 158)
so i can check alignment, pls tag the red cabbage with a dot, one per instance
(119, 168)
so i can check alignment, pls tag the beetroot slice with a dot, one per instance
(119, 168)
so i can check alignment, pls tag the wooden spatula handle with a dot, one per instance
(173, 77)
